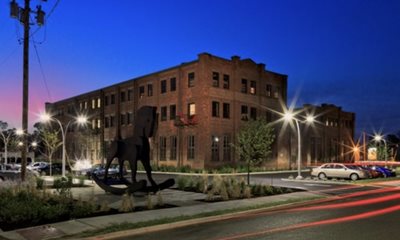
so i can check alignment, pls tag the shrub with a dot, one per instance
(39, 183)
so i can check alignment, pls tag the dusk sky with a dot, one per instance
(343, 52)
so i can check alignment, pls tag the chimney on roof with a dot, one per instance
(235, 58)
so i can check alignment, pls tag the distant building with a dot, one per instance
(330, 138)
(201, 106)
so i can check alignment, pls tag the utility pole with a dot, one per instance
(23, 14)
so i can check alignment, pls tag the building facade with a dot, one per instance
(330, 137)
(201, 106)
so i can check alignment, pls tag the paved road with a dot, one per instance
(358, 213)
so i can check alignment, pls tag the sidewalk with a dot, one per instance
(187, 204)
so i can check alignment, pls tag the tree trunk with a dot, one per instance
(248, 173)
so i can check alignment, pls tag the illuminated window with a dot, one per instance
(191, 109)
(93, 103)
(86, 105)
(98, 103)
(93, 123)
(214, 148)
(98, 123)
(253, 87)
(80, 106)
(277, 92)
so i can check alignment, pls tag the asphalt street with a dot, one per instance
(352, 213)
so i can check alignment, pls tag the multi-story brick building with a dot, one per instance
(211, 94)
(201, 106)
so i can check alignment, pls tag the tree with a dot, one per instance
(51, 142)
(254, 143)
(6, 136)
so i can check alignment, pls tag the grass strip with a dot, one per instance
(129, 226)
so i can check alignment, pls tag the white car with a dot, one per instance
(338, 170)
(38, 166)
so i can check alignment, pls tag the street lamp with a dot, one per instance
(288, 117)
(379, 138)
(80, 120)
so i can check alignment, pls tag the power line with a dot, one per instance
(42, 72)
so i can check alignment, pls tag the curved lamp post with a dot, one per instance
(379, 138)
(80, 120)
(290, 116)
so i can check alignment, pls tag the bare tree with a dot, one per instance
(51, 142)
(6, 136)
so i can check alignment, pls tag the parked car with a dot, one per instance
(9, 172)
(372, 172)
(56, 168)
(386, 172)
(38, 166)
(338, 170)
(99, 170)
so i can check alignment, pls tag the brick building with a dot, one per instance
(330, 137)
(201, 106)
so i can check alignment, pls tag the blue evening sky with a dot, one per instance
(344, 52)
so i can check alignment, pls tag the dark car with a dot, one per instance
(385, 171)
(56, 168)
(9, 172)
(99, 170)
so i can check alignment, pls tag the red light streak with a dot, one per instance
(317, 223)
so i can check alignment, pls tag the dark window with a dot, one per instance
(163, 148)
(163, 86)
(163, 113)
(173, 84)
(227, 148)
(106, 122)
(191, 79)
(226, 110)
(191, 147)
(173, 147)
(214, 148)
(244, 86)
(226, 81)
(215, 77)
(112, 121)
(253, 87)
(129, 118)
(122, 96)
(105, 100)
(277, 92)
(149, 90)
(244, 113)
(172, 112)
(215, 109)
(122, 119)
(130, 95)
(253, 113)
(112, 99)
(141, 91)
(269, 90)
(268, 116)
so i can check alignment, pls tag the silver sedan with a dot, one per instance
(338, 170)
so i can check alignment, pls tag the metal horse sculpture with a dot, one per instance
(133, 149)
